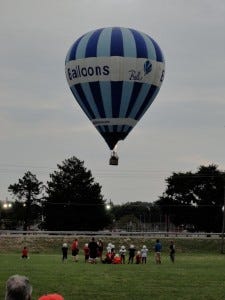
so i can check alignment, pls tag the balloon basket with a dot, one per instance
(114, 159)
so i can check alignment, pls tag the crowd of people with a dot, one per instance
(19, 287)
(94, 250)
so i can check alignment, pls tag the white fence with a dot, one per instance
(149, 234)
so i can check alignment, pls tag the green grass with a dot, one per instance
(193, 276)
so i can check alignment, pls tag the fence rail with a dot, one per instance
(114, 233)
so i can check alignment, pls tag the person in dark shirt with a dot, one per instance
(100, 249)
(93, 247)
(64, 251)
(172, 251)
(158, 249)
(131, 254)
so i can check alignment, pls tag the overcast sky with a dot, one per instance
(41, 124)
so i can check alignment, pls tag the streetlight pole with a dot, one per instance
(223, 224)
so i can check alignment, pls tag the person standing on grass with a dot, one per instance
(18, 288)
(138, 257)
(24, 253)
(93, 247)
(75, 250)
(64, 251)
(144, 253)
(131, 254)
(86, 253)
(122, 254)
(100, 249)
(158, 249)
(172, 251)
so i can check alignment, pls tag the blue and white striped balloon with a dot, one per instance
(115, 74)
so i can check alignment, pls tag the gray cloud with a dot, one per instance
(41, 124)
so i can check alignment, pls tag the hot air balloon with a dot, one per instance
(114, 74)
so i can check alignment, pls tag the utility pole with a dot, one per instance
(223, 224)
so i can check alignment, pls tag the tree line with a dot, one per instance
(72, 200)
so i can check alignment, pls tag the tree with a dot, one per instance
(27, 191)
(133, 215)
(74, 200)
(195, 198)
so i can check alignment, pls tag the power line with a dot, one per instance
(6, 169)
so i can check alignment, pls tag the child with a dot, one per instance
(138, 257)
(108, 258)
(113, 251)
(116, 259)
(86, 253)
(75, 250)
(25, 253)
(144, 252)
(122, 254)
(64, 251)
(109, 247)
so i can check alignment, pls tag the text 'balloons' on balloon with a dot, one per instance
(115, 73)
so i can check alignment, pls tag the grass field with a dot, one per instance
(197, 276)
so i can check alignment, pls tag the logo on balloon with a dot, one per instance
(147, 67)
(135, 75)
(138, 75)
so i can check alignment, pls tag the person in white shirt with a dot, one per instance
(144, 253)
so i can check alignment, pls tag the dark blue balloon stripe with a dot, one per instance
(116, 93)
(91, 49)
(158, 51)
(80, 102)
(100, 128)
(140, 44)
(116, 45)
(126, 129)
(73, 50)
(96, 93)
(116, 42)
(82, 96)
(115, 128)
(135, 92)
(147, 102)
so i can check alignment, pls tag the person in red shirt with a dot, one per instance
(51, 297)
(116, 259)
(108, 258)
(93, 246)
(24, 253)
(75, 250)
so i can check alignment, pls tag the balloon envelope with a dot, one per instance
(114, 74)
